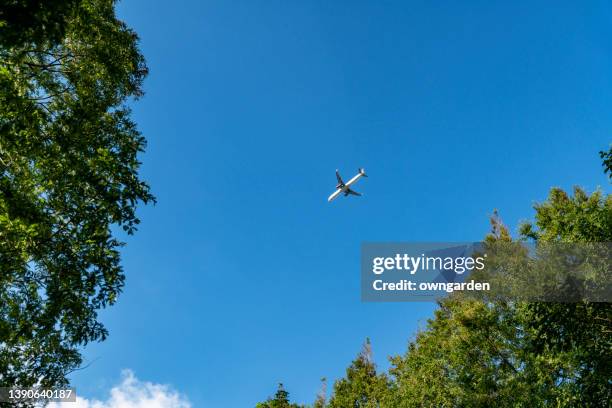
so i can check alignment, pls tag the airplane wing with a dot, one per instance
(349, 191)
(340, 182)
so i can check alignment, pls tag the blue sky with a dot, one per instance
(243, 276)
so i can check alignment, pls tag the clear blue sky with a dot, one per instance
(243, 276)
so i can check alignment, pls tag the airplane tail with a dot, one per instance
(362, 172)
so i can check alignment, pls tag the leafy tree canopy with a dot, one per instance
(34, 21)
(505, 354)
(68, 175)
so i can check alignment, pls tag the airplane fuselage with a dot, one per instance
(343, 189)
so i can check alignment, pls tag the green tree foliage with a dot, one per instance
(607, 161)
(363, 386)
(280, 400)
(34, 21)
(477, 354)
(577, 218)
(68, 175)
(505, 354)
(577, 334)
(470, 355)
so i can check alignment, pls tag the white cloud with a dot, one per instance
(133, 393)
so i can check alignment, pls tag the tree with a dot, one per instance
(578, 334)
(607, 161)
(362, 387)
(507, 354)
(321, 399)
(470, 355)
(34, 21)
(482, 353)
(280, 400)
(68, 176)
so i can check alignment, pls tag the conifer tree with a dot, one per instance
(280, 400)
(321, 400)
(363, 386)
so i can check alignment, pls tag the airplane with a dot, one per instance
(345, 188)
